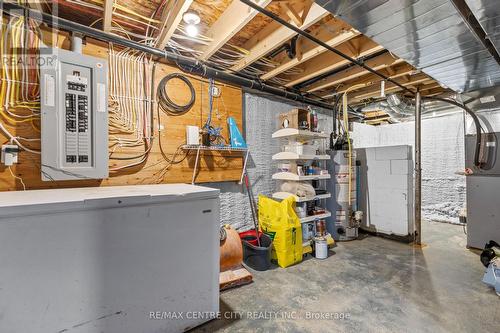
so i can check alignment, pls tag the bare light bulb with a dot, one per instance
(192, 30)
(191, 17)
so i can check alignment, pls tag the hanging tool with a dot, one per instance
(252, 208)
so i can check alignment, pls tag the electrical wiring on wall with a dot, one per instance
(130, 106)
(132, 93)
(19, 82)
(19, 90)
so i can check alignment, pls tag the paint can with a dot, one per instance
(320, 228)
(320, 248)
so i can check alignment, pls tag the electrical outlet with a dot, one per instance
(9, 154)
(216, 91)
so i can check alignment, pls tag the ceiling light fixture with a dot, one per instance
(192, 30)
(191, 17)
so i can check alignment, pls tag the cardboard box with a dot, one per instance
(294, 118)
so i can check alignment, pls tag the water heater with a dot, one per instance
(342, 224)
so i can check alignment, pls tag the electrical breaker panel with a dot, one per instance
(74, 117)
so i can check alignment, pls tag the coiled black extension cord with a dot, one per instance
(166, 104)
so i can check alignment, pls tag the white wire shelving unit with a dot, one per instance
(200, 148)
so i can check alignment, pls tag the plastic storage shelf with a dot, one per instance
(315, 217)
(289, 156)
(300, 135)
(284, 195)
(293, 176)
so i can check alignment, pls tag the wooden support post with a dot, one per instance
(108, 15)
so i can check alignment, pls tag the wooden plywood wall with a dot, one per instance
(214, 166)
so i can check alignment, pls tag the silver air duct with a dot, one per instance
(403, 109)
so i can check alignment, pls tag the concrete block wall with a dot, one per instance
(386, 196)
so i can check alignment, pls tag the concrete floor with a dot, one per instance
(381, 285)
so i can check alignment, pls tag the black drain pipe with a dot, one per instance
(183, 62)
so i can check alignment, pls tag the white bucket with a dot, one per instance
(320, 248)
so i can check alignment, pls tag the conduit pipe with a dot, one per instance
(186, 63)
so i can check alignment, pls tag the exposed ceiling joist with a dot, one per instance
(232, 20)
(354, 50)
(171, 17)
(327, 62)
(378, 63)
(274, 35)
(308, 49)
(435, 92)
(292, 13)
(372, 79)
(307, 7)
(430, 86)
(389, 88)
(107, 15)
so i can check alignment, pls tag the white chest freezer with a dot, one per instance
(109, 259)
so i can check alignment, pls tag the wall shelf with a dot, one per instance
(199, 148)
(295, 177)
(315, 217)
(284, 195)
(300, 135)
(290, 156)
(213, 148)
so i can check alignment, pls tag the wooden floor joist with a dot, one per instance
(328, 61)
(107, 15)
(274, 35)
(309, 50)
(171, 18)
(371, 79)
(383, 61)
(389, 88)
(232, 20)
(313, 69)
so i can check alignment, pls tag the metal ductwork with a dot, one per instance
(402, 109)
(483, 99)
(431, 35)
(487, 12)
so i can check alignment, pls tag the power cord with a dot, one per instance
(164, 101)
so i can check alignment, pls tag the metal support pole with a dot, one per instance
(418, 170)
(196, 164)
